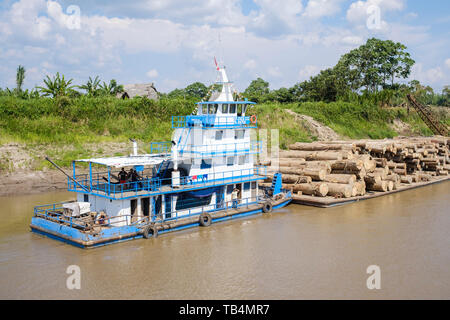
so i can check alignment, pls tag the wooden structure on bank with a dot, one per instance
(360, 168)
(425, 114)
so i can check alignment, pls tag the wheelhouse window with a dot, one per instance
(206, 164)
(219, 134)
(225, 108)
(212, 108)
(239, 110)
(232, 108)
(239, 134)
(204, 108)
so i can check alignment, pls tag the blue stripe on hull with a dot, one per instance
(75, 237)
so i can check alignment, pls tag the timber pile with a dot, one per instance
(344, 169)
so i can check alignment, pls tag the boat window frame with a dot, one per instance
(221, 135)
(225, 108)
(232, 108)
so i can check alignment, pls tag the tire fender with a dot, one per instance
(150, 231)
(267, 207)
(205, 220)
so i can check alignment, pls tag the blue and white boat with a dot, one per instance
(206, 174)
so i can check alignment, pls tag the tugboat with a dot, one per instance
(206, 174)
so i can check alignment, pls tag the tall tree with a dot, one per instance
(257, 90)
(197, 90)
(111, 89)
(57, 86)
(20, 77)
(91, 87)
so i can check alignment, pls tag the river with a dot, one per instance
(298, 252)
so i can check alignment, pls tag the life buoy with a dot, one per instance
(267, 207)
(253, 118)
(150, 231)
(205, 220)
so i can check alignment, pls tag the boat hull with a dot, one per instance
(80, 239)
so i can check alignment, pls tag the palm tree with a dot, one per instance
(20, 77)
(57, 86)
(91, 87)
(112, 88)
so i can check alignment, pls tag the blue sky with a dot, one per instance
(173, 43)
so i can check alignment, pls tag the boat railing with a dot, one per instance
(160, 147)
(213, 120)
(98, 186)
(226, 149)
(54, 212)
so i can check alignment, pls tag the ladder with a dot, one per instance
(427, 117)
(276, 184)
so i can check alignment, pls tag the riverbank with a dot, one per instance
(70, 129)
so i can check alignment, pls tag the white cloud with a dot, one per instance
(447, 63)
(308, 71)
(274, 72)
(321, 8)
(152, 73)
(427, 76)
(275, 17)
(357, 12)
(250, 64)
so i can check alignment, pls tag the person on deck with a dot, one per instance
(234, 197)
(123, 176)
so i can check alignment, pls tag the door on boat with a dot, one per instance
(133, 208)
(145, 203)
(239, 187)
(253, 188)
(168, 207)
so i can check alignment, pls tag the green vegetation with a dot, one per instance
(357, 98)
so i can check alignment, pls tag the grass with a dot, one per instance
(62, 128)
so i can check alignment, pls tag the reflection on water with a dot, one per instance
(298, 252)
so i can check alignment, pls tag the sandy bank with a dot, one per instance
(28, 182)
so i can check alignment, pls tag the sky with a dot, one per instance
(172, 43)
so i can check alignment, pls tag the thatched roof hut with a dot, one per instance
(147, 90)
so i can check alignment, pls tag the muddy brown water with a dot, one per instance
(298, 252)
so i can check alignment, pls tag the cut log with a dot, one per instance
(338, 190)
(340, 178)
(291, 162)
(319, 189)
(360, 187)
(372, 178)
(321, 146)
(382, 186)
(349, 166)
(406, 179)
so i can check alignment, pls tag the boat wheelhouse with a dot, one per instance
(205, 174)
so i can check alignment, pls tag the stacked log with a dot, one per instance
(344, 169)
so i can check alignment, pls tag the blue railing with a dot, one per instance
(153, 186)
(228, 149)
(221, 121)
(160, 147)
(54, 212)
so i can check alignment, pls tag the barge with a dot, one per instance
(206, 174)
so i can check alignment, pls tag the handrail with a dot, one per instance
(152, 185)
(50, 212)
(212, 120)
